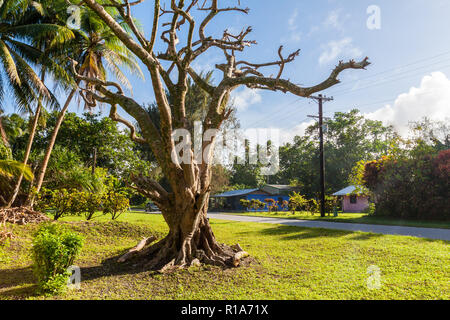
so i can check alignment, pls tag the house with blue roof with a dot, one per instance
(231, 200)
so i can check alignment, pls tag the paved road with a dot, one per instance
(429, 233)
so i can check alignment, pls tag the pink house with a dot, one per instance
(352, 202)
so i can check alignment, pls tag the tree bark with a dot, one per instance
(48, 152)
(190, 239)
(3, 133)
(27, 153)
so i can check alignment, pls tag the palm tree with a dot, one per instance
(97, 51)
(3, 137)
(20, 31)
(8, 169)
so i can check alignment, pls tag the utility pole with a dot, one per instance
(321, 99)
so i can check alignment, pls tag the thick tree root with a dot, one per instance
(164, 257)
(132, 252)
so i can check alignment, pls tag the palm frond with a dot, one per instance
(12, 168)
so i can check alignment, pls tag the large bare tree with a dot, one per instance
(184, 206)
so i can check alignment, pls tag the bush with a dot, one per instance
(411, 187)
(87, 203)
(331, 203)
(370, 210)
(60, 202)
(297, 202)
(54, 250)
(257, 204)
(245, 203)
(271, 203)
(312, 206)
(115, 203)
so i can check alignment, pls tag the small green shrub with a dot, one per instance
(297, 202)
(59, 202)
(245, 203)
(331, 203)
(54, 250)
(87, 204)
(115, 203)
(370, 210)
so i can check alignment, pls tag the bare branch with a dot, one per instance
(287, 86)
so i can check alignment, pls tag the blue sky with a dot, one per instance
(410, 56)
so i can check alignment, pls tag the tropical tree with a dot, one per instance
(8, 169)
(184, 205)
(97, 51)
(22, 38)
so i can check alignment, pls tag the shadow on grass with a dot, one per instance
(17, 283)
(298, 233)
(110, 267)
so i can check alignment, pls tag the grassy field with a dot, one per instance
(291, 263)
(350, 218)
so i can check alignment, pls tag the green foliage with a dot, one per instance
(350, 138)
(297, 202)
(54, 250)
(245, 203)
(115, 203)
(331, 203)
(411, 187)
(271, 204)
(257, 204)
(59, 202)
(87, 204)
(312, 206)
(371, 209)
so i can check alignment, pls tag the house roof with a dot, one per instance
(346, 191)
(280, 186)
(234, 193)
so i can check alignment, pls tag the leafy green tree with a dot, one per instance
(25, 40)
(96, 51)
(184, 206)
(349, 138)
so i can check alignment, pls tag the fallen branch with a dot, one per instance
(141, 245)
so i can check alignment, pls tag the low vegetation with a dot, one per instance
(350, 218)
(291, 263)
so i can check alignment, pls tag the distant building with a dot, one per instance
(351, 201)
(231, 200)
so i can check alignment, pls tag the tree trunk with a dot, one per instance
(27, 153)
(48, 152)
(190, 237)
(190, 241)
(3, 133)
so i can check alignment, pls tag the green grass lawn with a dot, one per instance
(291, 263)
(350, 218)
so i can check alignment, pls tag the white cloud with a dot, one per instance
(294, 34)
(339, 49)
(287, 134)
(292, 22)
(431, 100)
(245, 98)
(336, 19)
